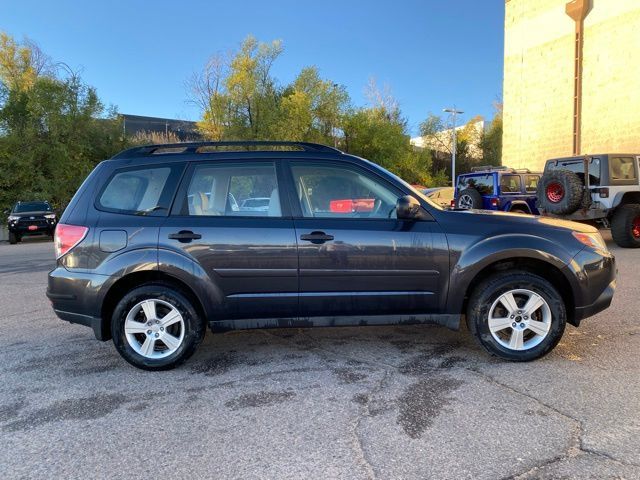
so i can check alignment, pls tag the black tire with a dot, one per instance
(625, 226)
(469, 195)
(520, 210)
(488, 291)
(560, 192)
(194, 326)
(13, 238)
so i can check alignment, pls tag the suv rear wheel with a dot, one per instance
(517, 316)
(155, 327)
(625, 226)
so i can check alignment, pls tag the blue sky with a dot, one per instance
(432, 53)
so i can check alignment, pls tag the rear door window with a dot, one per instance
(510, 184)
(482, 183)
(233, 190)
(140, 191)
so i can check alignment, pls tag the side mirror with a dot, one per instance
(408, 208)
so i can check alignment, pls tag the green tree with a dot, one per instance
(253, 96)
(491, 141)
(379, 133)
(53, 131)
(311, 109)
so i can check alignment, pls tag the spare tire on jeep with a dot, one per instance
(560, 192)
(469, 198)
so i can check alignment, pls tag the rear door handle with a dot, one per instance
(185, 236)
(316, 237)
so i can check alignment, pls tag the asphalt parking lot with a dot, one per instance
(374, 402)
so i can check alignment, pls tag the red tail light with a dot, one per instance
(495, 202)
(67, 237)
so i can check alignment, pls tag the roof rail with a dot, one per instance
(194, 147)
(490, 168)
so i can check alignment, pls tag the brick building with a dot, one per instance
(543, 91)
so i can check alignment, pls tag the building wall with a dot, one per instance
(538, 80)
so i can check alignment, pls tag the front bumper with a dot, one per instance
(602, 303)
(26, 229)
(595, 275)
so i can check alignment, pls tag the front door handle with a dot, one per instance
(316, 237)
(185, 236)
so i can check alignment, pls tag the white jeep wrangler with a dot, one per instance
(603, 188)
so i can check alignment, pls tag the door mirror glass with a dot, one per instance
(408, 208)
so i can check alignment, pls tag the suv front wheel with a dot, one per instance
(155, 327)
(517, 316)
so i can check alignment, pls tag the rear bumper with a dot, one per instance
(94, 322)
(77, 298)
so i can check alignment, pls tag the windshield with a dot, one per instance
(31, 207)
(576, 165)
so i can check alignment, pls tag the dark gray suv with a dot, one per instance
(161, 241)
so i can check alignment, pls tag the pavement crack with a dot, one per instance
(364, 411)
(576, 442)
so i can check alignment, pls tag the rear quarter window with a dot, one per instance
(141, 191)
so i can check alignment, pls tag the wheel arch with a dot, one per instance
(519, 205)
(541, 268)
(537, 255)
(125, 284)
(623, 198)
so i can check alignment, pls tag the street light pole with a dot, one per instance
(453, 113)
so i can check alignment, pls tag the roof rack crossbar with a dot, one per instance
(193, 147)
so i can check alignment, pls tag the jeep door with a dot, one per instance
(355, 256)
(247, 254)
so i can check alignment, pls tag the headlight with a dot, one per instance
(13, 218)
(593, 240)
(50, 216)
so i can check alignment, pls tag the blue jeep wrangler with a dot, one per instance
(498, 188)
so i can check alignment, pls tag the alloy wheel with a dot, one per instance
(555, 192)
(154, 328)
(635, 227)
(519, 319)
(465, 202)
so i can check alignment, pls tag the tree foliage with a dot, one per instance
(491, 141)
(475, 143)
(53, 129)
(241, 100)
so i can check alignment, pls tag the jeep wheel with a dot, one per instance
(625, 226)
(13, 238)
(517, 316)
(560, 192)
(469, 198)
(155, 327)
